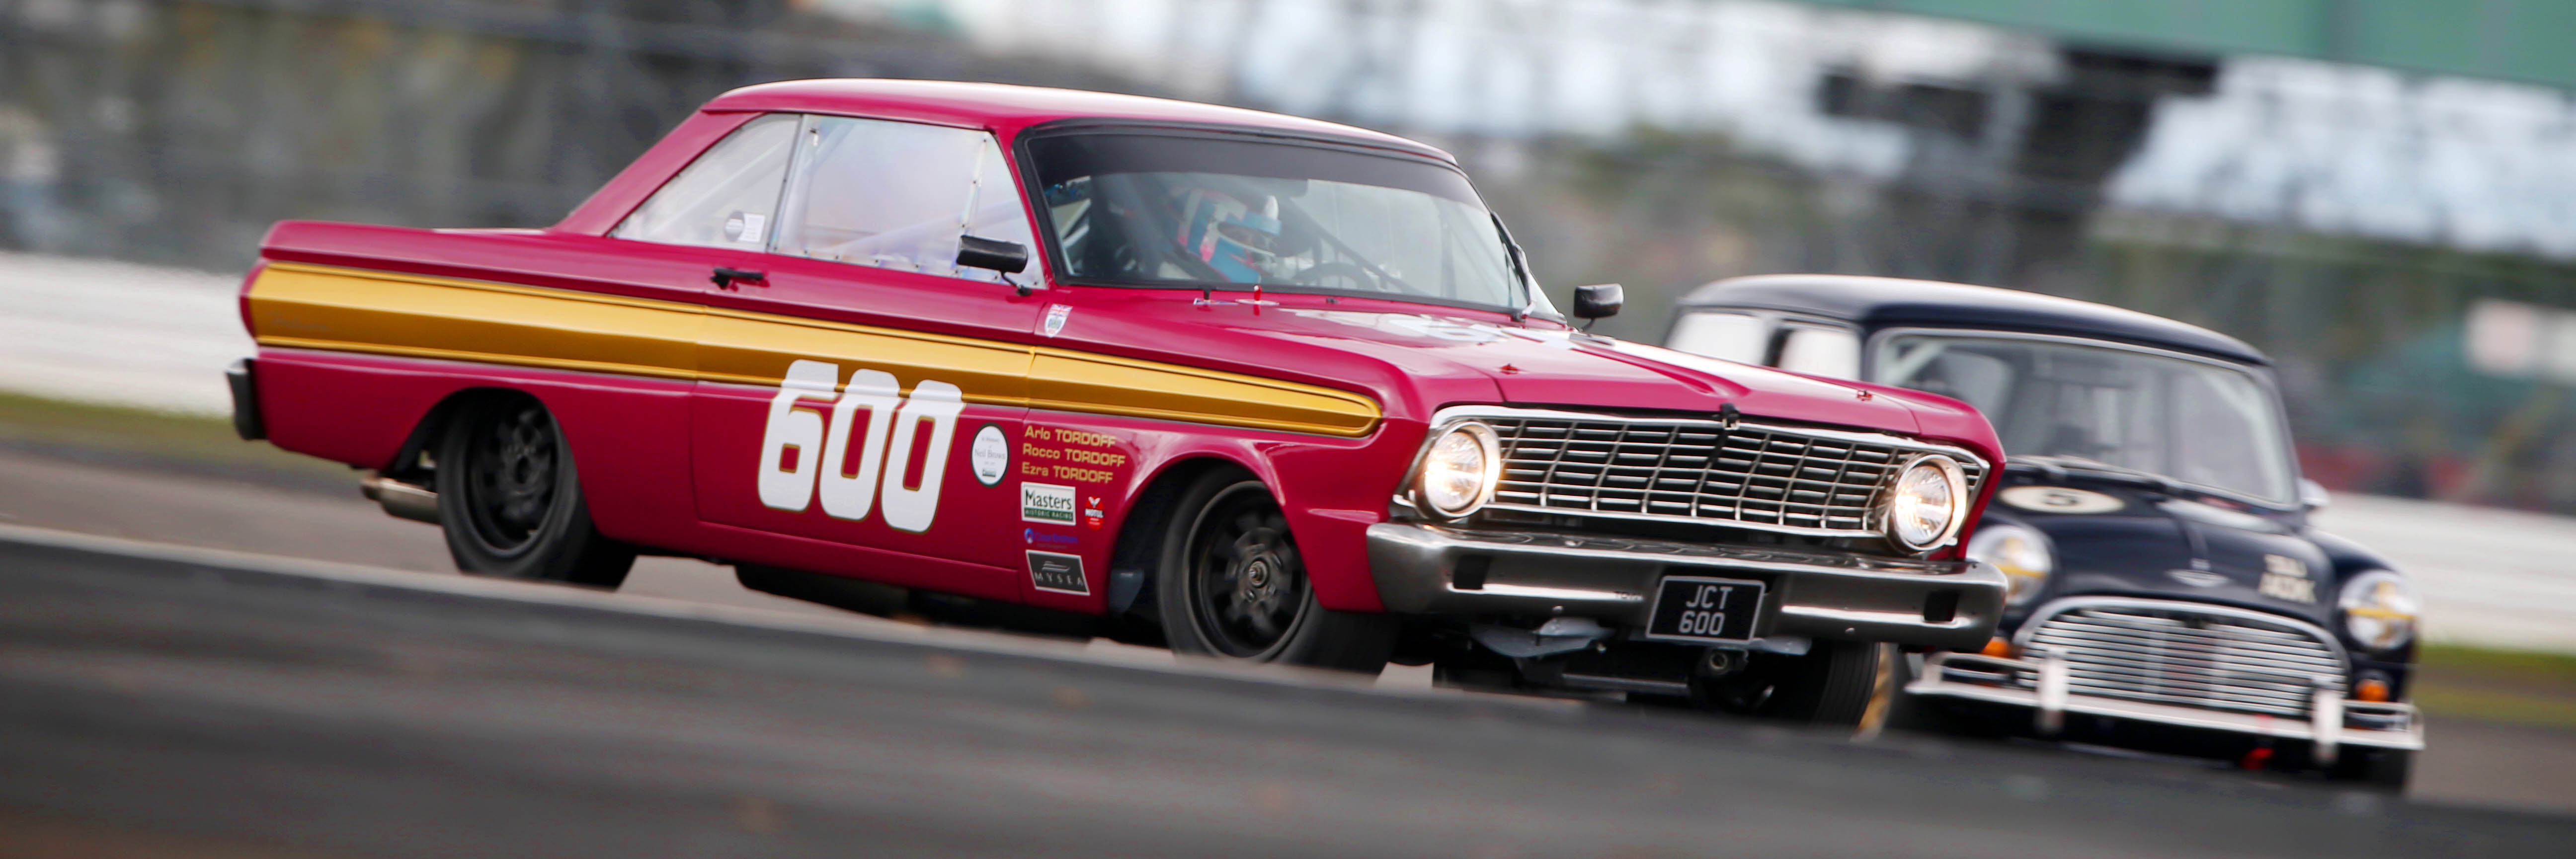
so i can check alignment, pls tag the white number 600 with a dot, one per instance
(882, 462)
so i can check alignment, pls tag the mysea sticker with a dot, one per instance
(1048, 503)
(1058, 572)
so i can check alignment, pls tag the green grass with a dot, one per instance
(2518, 687)
(2527, 665)
(154, 440)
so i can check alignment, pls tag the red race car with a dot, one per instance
(1259, 387)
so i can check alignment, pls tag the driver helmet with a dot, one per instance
(1237, 238)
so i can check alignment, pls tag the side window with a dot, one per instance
(726, 197)
(1737, 337)
(1829, 352)
(897, 195)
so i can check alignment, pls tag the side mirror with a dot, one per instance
(1597, 300)
(2312, 495)
(995, 254)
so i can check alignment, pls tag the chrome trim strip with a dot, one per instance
(1742, 557)
(1567, 594)
(1837, 615)
(1932, 684)
(1863, 437)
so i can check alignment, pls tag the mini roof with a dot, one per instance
(1008, 108)
(1885, 302)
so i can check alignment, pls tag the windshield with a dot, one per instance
(2195, 422)
(1195, 211)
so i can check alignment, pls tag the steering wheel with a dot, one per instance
(1315, 275)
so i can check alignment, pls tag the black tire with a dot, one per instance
(1837, 683)
(1477, 668)
(1232, 585)
(510, 500)
(2385, 769)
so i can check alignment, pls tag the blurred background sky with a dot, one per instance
(2380, 193)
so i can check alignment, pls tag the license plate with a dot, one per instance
(1698, 608)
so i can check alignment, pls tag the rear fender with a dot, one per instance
(629, 435)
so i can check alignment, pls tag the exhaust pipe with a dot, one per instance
(400, 500)
(1719, 662)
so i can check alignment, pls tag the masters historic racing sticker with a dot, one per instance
(1046, 503)
(1054, 571)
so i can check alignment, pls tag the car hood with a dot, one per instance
(1555, 367)
(2164, 547)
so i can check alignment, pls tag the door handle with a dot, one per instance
(724, 278)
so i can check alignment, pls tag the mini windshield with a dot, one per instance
(2192, 421)
(1199, 211)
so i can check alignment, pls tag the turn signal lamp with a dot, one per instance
(1998, 648)
(2373, 689)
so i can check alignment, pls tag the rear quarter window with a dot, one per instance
(726, 198)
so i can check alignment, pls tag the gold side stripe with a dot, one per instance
(302, 306)
(485, 358)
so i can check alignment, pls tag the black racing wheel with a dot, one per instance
(1233, 585)
(1840, 683)
(511, 502)
(2382, 769)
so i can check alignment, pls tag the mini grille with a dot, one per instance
(2185, 657)
(1756, 476)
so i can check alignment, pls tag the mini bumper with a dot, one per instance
(2331, 721)
(1430, 569)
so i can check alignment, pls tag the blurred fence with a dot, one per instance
(176, 130)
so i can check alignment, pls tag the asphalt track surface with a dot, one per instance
(171, 702)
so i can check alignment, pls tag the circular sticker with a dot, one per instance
(2059, 499)
(990, 456)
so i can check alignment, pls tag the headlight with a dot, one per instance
(1926, 504)
(2021, 553)
(2380, 609)
(1459, 470)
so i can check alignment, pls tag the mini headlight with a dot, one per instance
(1459, 470)
(2021, 553)
(1926, 504)
(2380, 609)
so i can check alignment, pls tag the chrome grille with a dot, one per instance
(1774, 478)
(2185, 655)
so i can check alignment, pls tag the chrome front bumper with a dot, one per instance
(2332, 721)
(1431, 569)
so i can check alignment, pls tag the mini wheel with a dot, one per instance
(510, 500)
(1233, 585)
(2385, 769)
